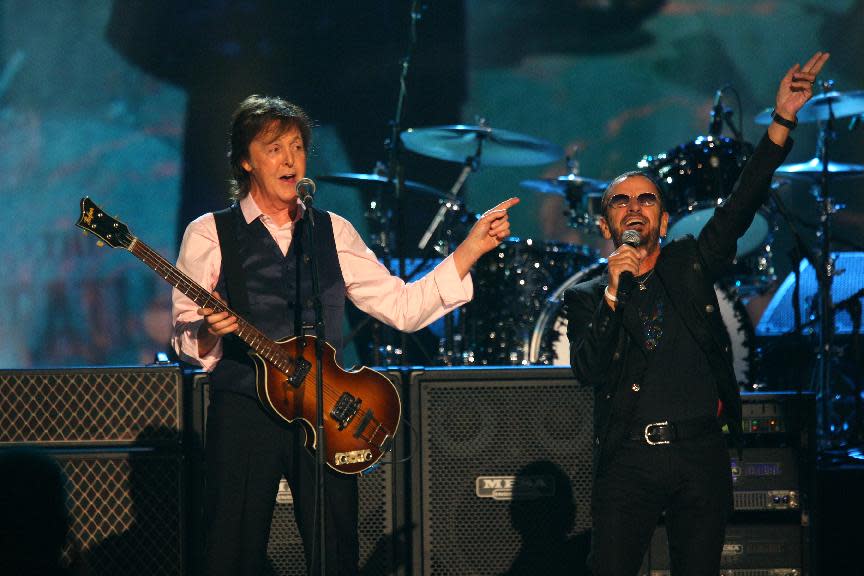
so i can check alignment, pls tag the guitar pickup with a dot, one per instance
(301, 370)
(345, 409)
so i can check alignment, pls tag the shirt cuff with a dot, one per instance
(186, 346)
(454, 291)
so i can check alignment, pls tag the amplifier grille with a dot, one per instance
(125, 512)
(91, 406)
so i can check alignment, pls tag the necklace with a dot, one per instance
(642, 282)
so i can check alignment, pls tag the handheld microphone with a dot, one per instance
(716, 125)
(305, 188)
(625, 280)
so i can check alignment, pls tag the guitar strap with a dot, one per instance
(235, 280)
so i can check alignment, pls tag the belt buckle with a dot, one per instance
(648, 438)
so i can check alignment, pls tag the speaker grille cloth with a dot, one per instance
(92, 406)
(125, 513)
(285, 549)
(496, 429)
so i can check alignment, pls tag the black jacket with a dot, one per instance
(687, 269)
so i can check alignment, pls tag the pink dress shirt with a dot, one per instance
(369, 285)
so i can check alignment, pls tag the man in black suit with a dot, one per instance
(648, 336)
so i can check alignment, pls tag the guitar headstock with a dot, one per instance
(94, 220)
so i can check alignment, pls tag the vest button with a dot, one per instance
(616, 356)
(635, 387)
(709, 308)
(306, 259)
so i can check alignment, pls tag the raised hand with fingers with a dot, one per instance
(796, 88)
(486, 234)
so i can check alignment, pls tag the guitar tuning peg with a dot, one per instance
(100, 243)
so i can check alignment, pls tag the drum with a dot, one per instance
(511, 286)
(697, 177)
(549, 343)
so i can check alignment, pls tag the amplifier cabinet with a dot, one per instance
(126, 511)
(380, 519)
(503, 472)
(378, 554)
(92, 406)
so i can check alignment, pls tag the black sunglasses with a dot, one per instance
(623, 200)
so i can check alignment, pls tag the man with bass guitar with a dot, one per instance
(251, 256)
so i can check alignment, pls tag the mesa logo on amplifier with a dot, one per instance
(514, 488)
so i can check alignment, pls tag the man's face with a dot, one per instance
(634, 204)
(275, 163)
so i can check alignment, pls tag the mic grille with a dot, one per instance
(631, 237)
(305, 188)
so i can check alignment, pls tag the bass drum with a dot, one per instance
(549, 343)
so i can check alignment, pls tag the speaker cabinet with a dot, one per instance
(381, 545)
(126, 510)
(91, 406)
(117, 434)
(377, 552)
(502, 478)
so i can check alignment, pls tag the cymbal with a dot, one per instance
(459, 142)
(812, 170)
(842, 104)
(370, 180)
(562, 184)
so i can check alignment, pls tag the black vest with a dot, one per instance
(276, 286)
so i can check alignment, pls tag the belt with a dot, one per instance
(655, 433)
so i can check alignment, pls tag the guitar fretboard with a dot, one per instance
(261, 344)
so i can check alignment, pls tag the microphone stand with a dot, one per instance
(320, 338)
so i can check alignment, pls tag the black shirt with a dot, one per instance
(671, 371)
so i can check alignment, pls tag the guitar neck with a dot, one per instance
(257, 341)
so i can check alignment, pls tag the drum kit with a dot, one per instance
(516, 317)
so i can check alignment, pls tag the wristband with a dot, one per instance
(790, 124)
(609, 296)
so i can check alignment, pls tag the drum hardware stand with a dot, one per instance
(395, 175)
(825, 272)
(852, 305)
(450, 349)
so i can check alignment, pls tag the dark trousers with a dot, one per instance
(690, 480)
(247, 453)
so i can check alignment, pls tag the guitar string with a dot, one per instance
(330, 393)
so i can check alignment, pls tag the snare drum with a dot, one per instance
(549, 343)
(697, 177)
(511, 285)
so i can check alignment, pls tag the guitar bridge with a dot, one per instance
(345, 409)
(301, 370)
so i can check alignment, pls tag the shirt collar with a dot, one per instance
(251, 211)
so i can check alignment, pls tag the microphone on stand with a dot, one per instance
(625, 280)
(305, 188)
(716, 125)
